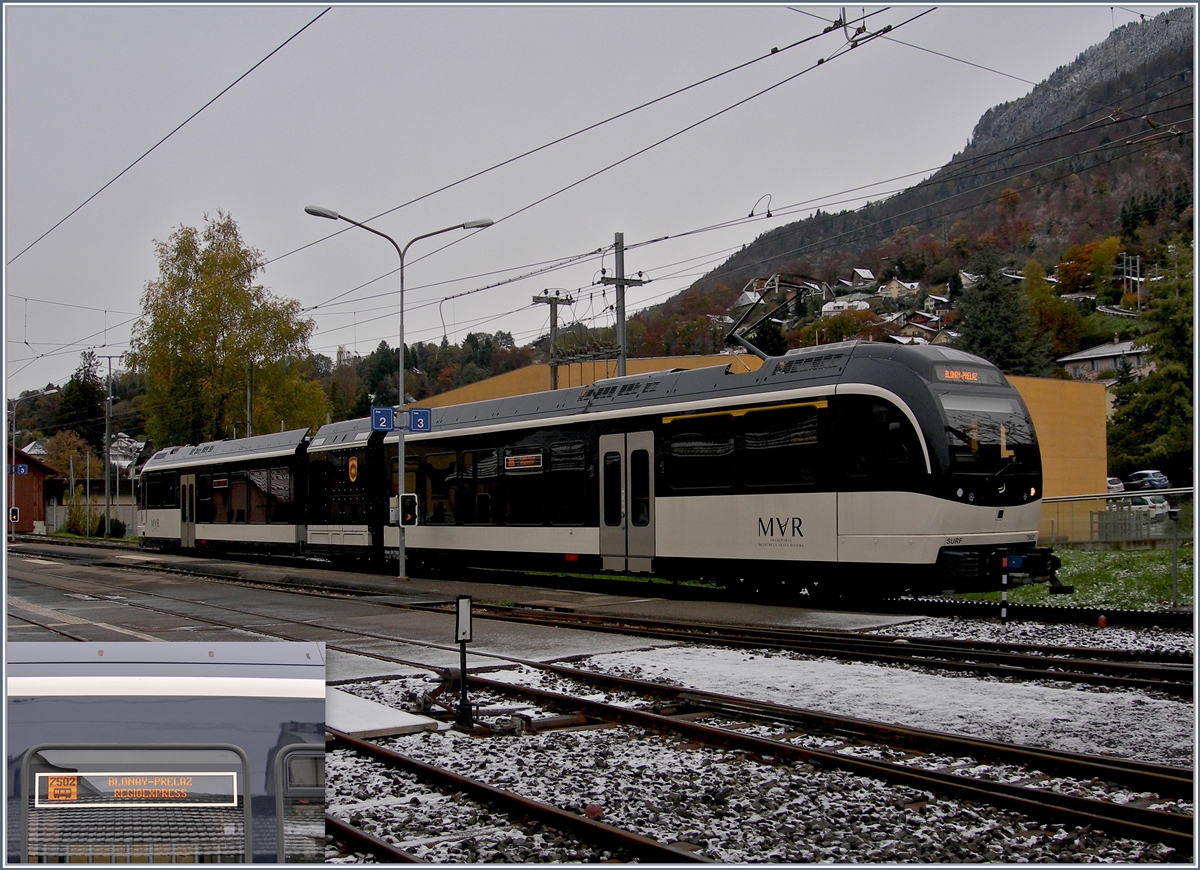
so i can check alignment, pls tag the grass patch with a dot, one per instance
(1132, 579)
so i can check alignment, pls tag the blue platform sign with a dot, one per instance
(420, 420)
(383, 419)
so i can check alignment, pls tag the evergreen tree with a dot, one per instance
(81, 404)
(1152, 426)
(994, 323)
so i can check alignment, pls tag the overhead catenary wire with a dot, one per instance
(730, 223)
(153, 147)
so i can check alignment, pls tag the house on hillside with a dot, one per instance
(837, 306)
(859, 277)
(1087, 364)
(935, 304)
(896, 288)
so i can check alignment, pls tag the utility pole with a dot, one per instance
(553, 301)
(107, 448)
(249, 399)
(621, 282)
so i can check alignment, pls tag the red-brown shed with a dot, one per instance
(30, 474)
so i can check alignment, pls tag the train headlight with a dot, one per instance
(1033, 492)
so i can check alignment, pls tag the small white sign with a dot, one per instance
(462, 632)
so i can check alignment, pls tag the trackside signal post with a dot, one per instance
(462, 634)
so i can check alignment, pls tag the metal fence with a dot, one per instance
(56, 516)
(1144, 518)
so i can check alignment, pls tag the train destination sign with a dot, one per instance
(136, 789)
(964, 375)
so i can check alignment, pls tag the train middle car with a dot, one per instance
(845, 467)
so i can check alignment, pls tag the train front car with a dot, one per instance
(973, 516)
(990, 471)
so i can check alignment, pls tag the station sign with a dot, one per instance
(383, 419)
(110, 790)
(420, 420)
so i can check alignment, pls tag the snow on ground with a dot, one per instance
(1126, 724)
(1150, 638)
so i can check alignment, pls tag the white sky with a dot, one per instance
(373, 106)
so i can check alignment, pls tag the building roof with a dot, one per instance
(23, 457)
(1112, 350)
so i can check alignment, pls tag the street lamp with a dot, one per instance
(319, 211)
(12, 468)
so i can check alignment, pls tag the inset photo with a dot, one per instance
(165, 753)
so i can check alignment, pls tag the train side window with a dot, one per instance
(204, 504)
(236, 512)
(700, 453)
(441, 474)
(279, 496)
(170, 487)
(259, 481)
(153, 490)
(780, 447)
(880, 443)
(478, 484)
(220, 498)
(639, 487)
(524, 486)
(568, 484)
(612, 488)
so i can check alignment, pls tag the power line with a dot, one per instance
(168, 136)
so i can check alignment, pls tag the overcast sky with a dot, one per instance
(373, 106)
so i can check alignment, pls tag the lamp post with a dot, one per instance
(319, 211)
(12, 470)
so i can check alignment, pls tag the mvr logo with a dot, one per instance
(780, 527)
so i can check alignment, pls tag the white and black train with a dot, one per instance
(853, 466)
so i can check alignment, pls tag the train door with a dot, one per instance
(627, 501)
(187, 510)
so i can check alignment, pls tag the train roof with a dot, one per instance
(827, 364)
(210, 452)
(284, 670)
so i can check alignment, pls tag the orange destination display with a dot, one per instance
(139, 789)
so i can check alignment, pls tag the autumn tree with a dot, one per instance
(206, 329)
(1058, 322)
(68, 451)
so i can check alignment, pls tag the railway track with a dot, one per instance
(945, 606)
(593, 840)
(1138, 821)
(1040, 799)
(1155, 671)
(1172, 674)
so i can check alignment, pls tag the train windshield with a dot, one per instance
(988, 434)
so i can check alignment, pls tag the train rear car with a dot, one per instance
(165, 753)
(241, 496)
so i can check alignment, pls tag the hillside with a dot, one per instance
(1103, 147)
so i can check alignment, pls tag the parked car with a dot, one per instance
(1147, 479)
(1115, 485)
(1159, 506)
(1135, 503)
